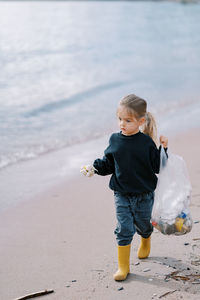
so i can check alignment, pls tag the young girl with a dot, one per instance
(133, 160)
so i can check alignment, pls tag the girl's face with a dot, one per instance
(128, 123)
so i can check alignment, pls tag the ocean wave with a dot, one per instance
(79, 97)
(33, 152)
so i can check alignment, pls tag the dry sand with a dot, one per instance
(64, 241)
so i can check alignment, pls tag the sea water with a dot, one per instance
(65, 65)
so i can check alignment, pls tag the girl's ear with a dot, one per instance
(141, 121)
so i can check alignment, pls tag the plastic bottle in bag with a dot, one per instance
(171, 214)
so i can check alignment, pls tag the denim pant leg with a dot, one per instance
(125, 227)
(142, 214)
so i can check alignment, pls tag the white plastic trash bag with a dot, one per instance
(171, 214)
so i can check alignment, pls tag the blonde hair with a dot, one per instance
(138, 107)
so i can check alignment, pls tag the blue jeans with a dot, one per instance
(133, 215)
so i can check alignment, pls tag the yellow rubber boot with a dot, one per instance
(145, 247)
(123, 263)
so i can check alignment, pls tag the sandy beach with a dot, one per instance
(63, 240)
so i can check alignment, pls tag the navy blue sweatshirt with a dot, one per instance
(133, 162)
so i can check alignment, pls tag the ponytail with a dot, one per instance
(149, 127)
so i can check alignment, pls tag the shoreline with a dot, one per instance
(63, 240)
(56, 167)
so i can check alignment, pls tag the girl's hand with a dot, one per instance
(87, 170)
(164, 141)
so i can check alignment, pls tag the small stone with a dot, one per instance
(196, 282)
(146, 270)
(67, 286)
(186, 244)
(154, 295)
(120, 289)
(137, 263)
(196, 222)
(150, 279)
(74, 280)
